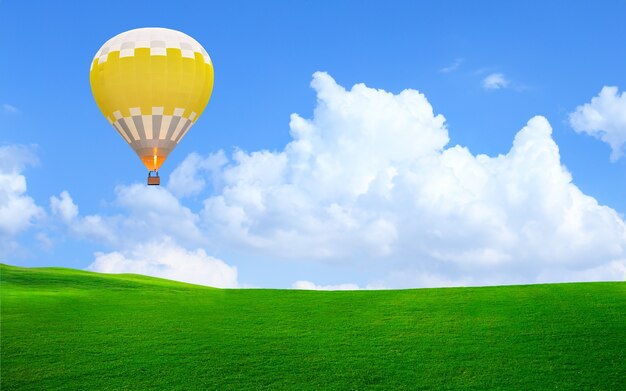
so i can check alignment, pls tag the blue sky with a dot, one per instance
(545, 59)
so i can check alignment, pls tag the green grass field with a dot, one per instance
(75, 330)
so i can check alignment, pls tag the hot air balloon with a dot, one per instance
(152, 85)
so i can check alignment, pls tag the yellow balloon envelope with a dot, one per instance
(152, 84)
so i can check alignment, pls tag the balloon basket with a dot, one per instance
(153, 180)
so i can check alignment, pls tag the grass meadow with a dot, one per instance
(76, 330)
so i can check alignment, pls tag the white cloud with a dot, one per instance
(153, 212)
(105, 230)
(611, 271)
(64, 207)
(452, 67)
(9, 108)
(44, 240)
(369, 179)
(147, 213)
(495, 81)
(147, 237)
(17, 157)
(409, 277)
(18, 211)
(369, 182)
(190, 177)
(308, 285)
(604, 118)
(165, 259)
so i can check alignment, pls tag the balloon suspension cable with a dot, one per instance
(154, 180)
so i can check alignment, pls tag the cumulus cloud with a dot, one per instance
(64, 207)
(191, 176)
(18, 211)
(310, 286)
(495, 81)
(369, 182)
(17, 157)
(146, 213)
(615, 270)
(604, 118)
(151, 236)
(369, 179)
(165, 259)
(155, 212)
(95, 227)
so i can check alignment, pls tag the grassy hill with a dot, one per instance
(69, 329)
